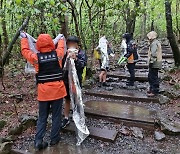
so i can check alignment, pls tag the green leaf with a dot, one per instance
(64, 9)
(31, 2)
(19, 16)
(18, 2)
(52, 2)
(55, 20)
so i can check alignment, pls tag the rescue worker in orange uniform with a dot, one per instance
(131, 56)
(50, 86)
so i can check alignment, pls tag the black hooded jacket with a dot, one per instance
(131, 47)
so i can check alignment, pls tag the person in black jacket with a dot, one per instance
(80, 63)
(132, 57)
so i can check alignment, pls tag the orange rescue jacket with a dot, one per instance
(50, 90)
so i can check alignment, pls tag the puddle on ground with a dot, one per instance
(64, 148)
(119, 110)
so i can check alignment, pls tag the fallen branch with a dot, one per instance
(10, 46)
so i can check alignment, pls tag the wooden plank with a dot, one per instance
(123, 96)
(120, 110)
(163, 56)
(138, 77)
(98, 133)
(137, 66)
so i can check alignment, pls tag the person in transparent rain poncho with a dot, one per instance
(103, 49)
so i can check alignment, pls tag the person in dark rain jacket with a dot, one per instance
(131, 56)
(80, 62)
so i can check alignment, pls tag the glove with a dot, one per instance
(122, 59)
(60, 36)
(23, 35)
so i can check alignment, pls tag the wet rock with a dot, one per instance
(131, 87)
(172, 94)
(137, 132)
(141, 86)
(167, 78)
(169, 126)
(2, 124)
(28, 120)
(88, 83)
(159, 136)
(163, 99)
(17, 130)
(110, 79)
(5, 148)
(8, 139)
(125, 131)
(116, 85)
(109, 88)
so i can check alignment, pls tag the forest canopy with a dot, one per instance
(88, 19)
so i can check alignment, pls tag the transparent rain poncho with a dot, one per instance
(74, 87)
(32, 45)
(76, 101)
(104, 54)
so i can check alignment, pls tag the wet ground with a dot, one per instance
(125, 143)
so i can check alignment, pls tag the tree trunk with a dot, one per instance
(131, 17)
(81, 27)
(5, 57)
(177, 20)
(144, 20)
(64, 23)
(75, 17)
(152, 25)
(170, 34)
(64, 26)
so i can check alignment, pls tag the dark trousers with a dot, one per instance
(131, 69)
(153, 80)
(44, 108)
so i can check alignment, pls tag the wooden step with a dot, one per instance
(98, 133)
(123, 94)
(129, 114)
(138, 77)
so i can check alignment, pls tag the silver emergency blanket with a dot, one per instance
(74, 87)
(76, 101)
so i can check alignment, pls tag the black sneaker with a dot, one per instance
(130, 84)
(41, 146)
(105, 84)
(65, 122)
(99, 84)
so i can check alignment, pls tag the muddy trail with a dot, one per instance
(120, 119)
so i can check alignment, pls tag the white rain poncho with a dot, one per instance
(123, 47)
(74, 87)
(104, 54)
(32, 45)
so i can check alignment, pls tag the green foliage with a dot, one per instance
(47, 15)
